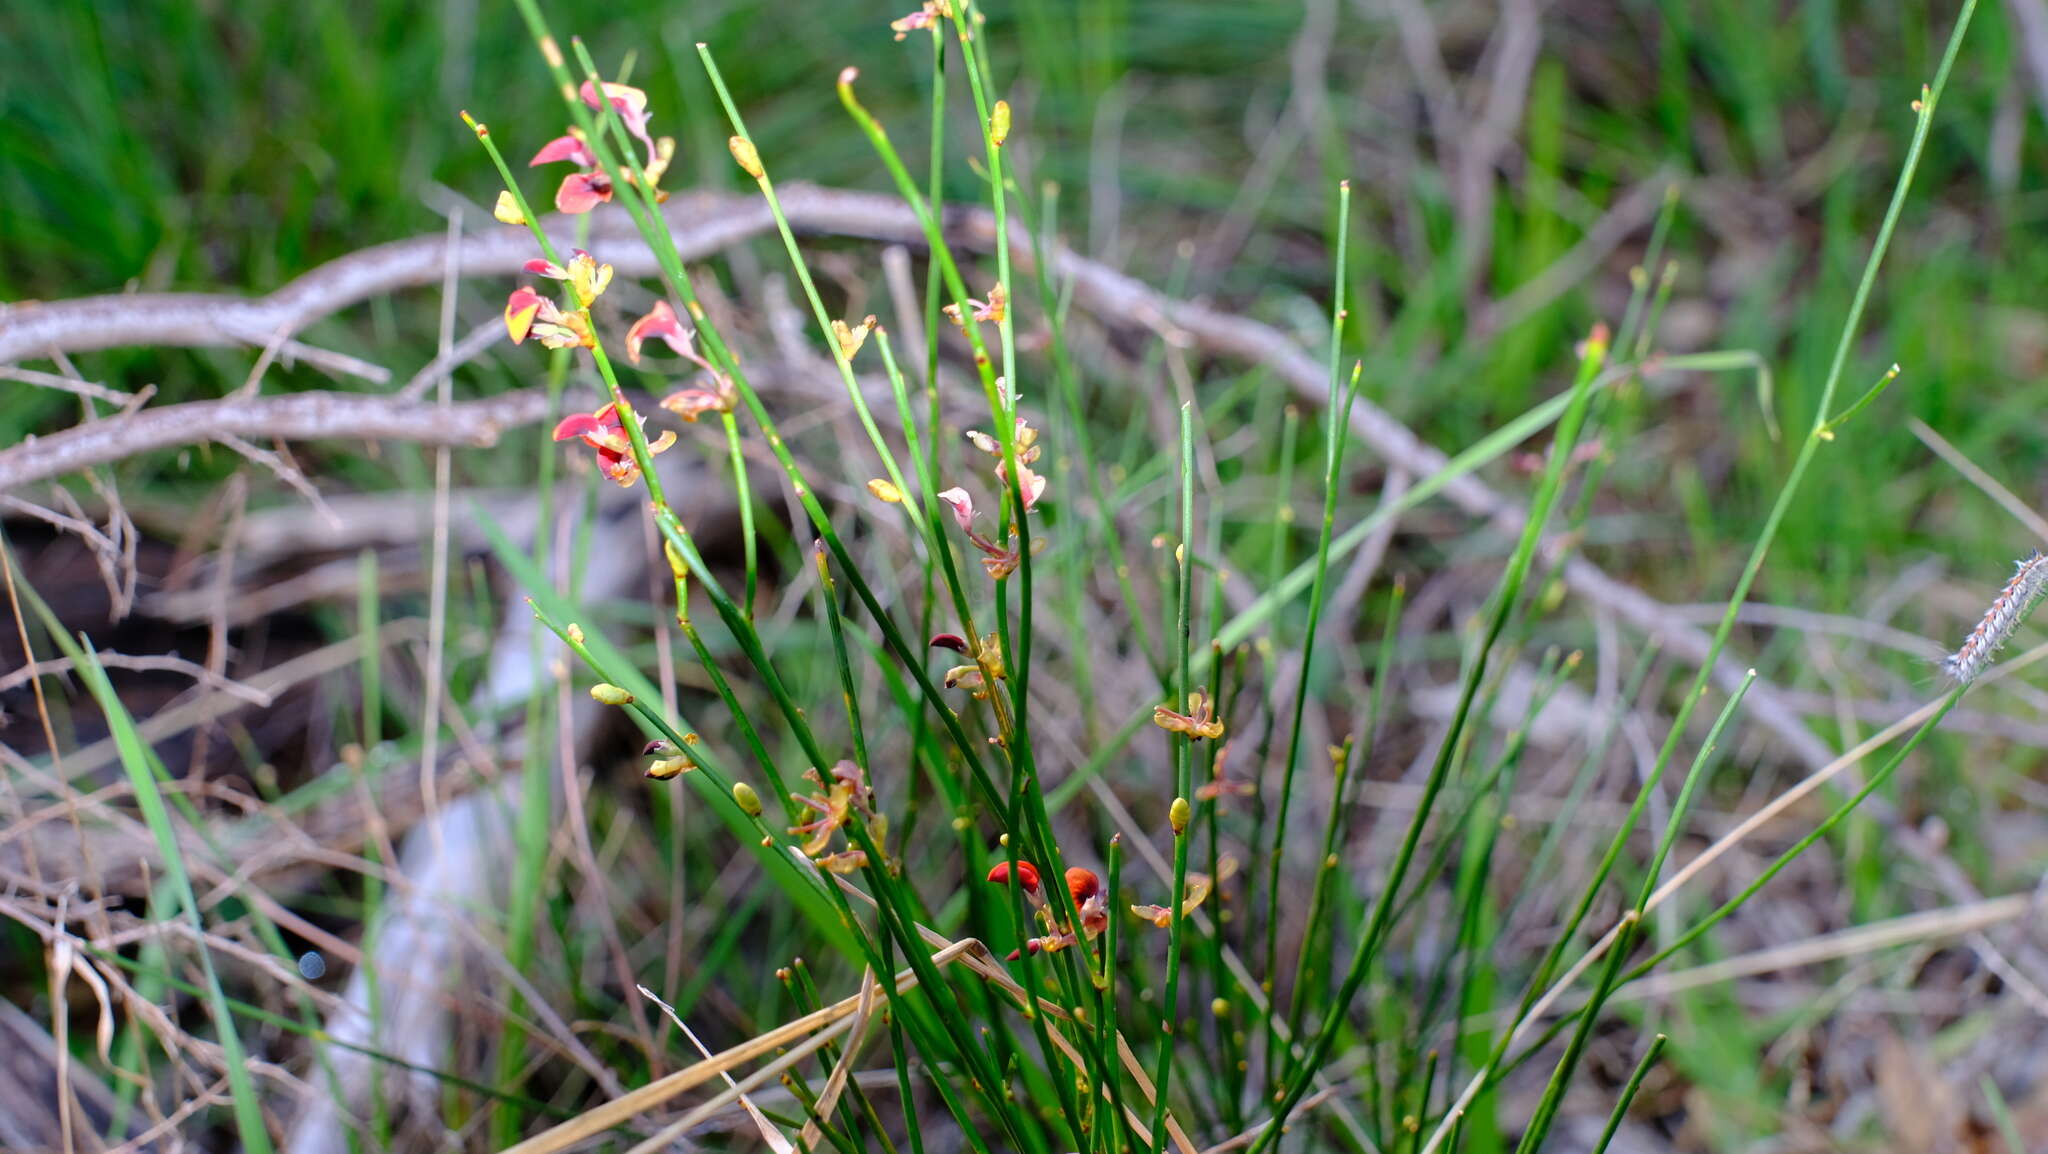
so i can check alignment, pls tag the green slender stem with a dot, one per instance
(1505, 599)
(1337, 423)
(1628, 1094)
(1817, 435)
(1183, 776)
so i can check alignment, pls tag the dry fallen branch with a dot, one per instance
(295, 417)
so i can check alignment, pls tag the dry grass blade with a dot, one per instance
(827, 1022)
(842, 1070)
(769, 1134)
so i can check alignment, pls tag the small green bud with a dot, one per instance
(1179, 814)
(607, 694)
(749, 801)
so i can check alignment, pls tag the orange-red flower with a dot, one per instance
(604, 432)
(1084, 887)
(583, 191)
(1027, 876)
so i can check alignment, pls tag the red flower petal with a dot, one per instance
(1083, 884)
(583, 191)
(660, 323)
(563, 148)
(578, 425)
(1027, 875)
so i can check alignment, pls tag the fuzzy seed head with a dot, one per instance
(2008, 609)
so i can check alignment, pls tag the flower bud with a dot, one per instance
(1178, 815)
(507, 209)
(747, 155)
(744, 796)
(884, 491)
(999, 123)
(607, 694)
(669, 767)
(574, 633)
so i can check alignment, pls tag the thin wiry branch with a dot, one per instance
(295, 417)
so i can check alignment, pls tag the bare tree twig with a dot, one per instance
(164, 663)
(294, 417)
(64, 384)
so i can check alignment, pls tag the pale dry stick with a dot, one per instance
(2006, 498)
(437, 578)
(285, 472)
(1424, 53)
(272, 681)
(296, 351)
(904, 301)
(1308, 61)
(106, 551)
(206, 1098)
(315, 415)
(1951, 921)
(165, 663)
(597, 890)
(1707, 857)
(254, 382)
(59, 970)
(473, 344)
(1244, 1138)
(237, 497)
(65, 384)
(1872, 632)
(1516, 41)
(113, 548)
